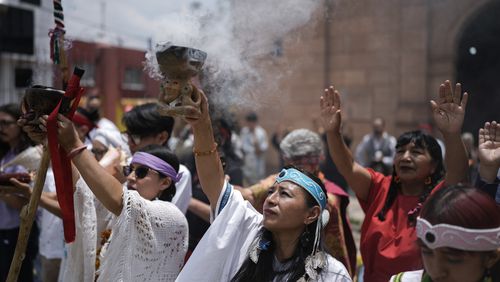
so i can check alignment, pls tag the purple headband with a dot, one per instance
(157, 164)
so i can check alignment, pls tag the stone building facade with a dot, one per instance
(387, 58)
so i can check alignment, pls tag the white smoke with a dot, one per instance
(234, 33)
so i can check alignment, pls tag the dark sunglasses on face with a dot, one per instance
(140, 171)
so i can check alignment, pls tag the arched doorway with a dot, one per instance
(478, 66)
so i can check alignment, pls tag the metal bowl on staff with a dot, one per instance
(38, 101)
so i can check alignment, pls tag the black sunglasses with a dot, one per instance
(140, 171)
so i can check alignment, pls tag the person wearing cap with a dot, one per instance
(303, 149)
(283, 244)
(103, 140)
(458, 233)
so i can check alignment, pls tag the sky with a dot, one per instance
(129, 23)
(233, 34)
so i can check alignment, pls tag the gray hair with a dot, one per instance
(301, 143)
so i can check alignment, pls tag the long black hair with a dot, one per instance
(163, 153)
(231, 162)
(14, 110)
(430, 144)
(263, 269)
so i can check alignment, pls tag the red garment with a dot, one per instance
(338, 234)
(388, 247)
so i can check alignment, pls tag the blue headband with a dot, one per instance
(157, 164)
(305, 182)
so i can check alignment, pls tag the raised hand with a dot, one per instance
(330, 110)
(67, 134)
(489, 145)
(199, 113)
(449, 110)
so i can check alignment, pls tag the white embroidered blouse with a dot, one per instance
(148, 240)
(223, 249)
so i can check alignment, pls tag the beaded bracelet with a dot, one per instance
(76, 151)
(205, 153)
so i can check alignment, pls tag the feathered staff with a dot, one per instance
(61, 164)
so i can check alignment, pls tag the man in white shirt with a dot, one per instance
(377, 149)
(254, 145)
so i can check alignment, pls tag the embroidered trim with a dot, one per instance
(225, 197)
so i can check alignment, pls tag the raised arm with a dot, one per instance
(105, 187)
(448, 113)
(208, 163)
(489, 151)
(357, 177)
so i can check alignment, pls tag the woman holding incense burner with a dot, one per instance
(142, 236)
(283, 244)
(459, 236)
(392, 203)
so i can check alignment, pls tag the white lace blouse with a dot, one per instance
(148, 240)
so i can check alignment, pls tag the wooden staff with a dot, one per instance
(27, 216)
(28, 212)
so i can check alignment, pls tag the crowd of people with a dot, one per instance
(195, 204)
